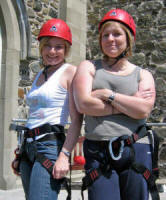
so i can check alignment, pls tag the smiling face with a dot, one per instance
(113, 39)
(53, 50)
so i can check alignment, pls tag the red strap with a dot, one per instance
(135, 137)
(47, 163)
(147, 174)
(94, 174)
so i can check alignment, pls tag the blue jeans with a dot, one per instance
(124, 183)
(37, 182)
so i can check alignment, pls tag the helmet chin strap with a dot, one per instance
(122, 55)
(45, 70)
(46, 67)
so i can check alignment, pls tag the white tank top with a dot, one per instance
(48, 103)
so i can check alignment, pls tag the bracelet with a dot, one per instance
(67, 153)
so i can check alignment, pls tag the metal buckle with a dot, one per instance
(20, 138)
(120, 150)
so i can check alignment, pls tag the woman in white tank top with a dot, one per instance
(50, 102)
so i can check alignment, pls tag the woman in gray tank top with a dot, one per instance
(116, 97)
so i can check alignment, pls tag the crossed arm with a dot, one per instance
(85, 102)
(95, 103)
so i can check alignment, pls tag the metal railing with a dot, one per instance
(149, 124)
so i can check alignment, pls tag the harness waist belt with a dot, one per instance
(46, 128)
(102, 144)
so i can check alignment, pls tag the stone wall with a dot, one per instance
(149, 51)
(38, 12)
(150, 46)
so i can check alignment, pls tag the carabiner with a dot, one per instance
(120, 150)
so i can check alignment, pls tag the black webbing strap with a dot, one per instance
(89, 179)
(129, 140)
(45, 128)
(155, 150)
(149, 177)
(48, 165)
(45, 71)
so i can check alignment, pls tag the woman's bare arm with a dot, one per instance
(137, 106)
(86, 103)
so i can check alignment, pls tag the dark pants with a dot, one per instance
(124, 183)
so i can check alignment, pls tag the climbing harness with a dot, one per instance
(58, 133)
(116, 147)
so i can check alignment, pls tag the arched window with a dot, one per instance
(25, 33)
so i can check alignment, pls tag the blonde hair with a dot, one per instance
(45, 40)
(129, 36)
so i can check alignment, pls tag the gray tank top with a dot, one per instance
(107, 127)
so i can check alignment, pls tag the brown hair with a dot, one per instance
(129, 36)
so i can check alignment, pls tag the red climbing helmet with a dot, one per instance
(56, 28)
(121, 16)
